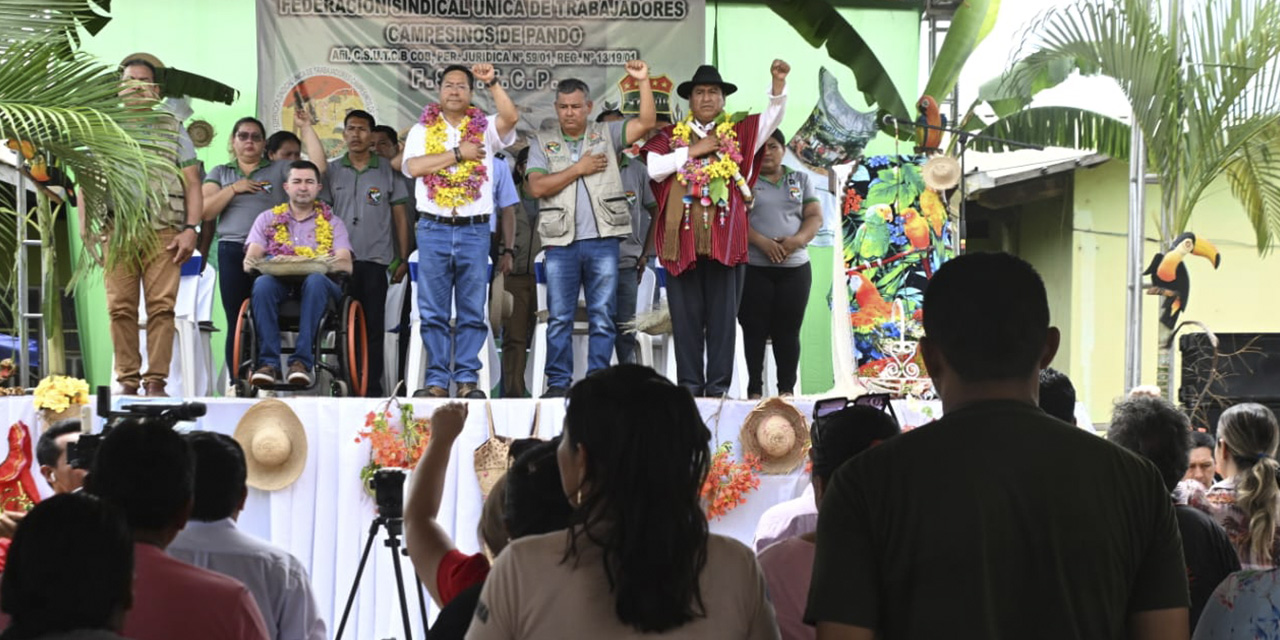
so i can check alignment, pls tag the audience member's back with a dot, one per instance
(278, 581)
(147, 471)
(70, 574)
(1154, 429)
(996, 521)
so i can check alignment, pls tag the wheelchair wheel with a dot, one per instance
(243, 389)
(242, 351)
(338, 389)
(353, 348)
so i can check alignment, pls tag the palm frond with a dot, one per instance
(969, 26)
(1253, 171)
(819, 23)
(1060, 127)
(69, 108)
(54, 21)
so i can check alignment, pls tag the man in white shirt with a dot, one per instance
(277, 580)
(450, 154)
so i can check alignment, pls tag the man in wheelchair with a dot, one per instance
(301, 228)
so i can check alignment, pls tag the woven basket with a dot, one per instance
(493, 456)
(293, 266)
(655, 323)
(48, 416)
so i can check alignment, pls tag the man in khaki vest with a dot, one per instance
(583, 216)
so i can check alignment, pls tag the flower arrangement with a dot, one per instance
(281, 244)
(728, 481)
(58, 393)
(709, 177)
(460, 184)
(395, 441)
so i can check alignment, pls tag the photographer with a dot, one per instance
(147, 471)
(211, 541)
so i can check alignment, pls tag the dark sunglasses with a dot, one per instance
(828, 406)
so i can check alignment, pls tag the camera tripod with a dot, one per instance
(395, 528)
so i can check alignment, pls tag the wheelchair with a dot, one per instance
(340, 348)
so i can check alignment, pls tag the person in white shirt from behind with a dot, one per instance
(277, 580)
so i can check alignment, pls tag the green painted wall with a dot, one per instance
(219, 40)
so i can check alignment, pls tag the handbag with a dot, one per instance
(493, 457)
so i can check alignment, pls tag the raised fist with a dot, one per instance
(779, 69)
(484, 73)
(638, 69)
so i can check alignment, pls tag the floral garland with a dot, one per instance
(460, 184)
(281, 243)
(59, 393)
(728, 481)
(708, 178)
(399, 444)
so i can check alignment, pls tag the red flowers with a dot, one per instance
(728, 481)
(394, 443)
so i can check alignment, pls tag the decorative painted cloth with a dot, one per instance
(1245, 605)
(1220, 503)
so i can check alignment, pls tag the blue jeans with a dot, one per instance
(624, 312)
(585, 264)
(269, 292)
(452, 261)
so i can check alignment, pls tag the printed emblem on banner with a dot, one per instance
(327, 94)
(795, 193)
(553, 147)
(375, 195)
(595, 136)
(631, 198)
(266, 185)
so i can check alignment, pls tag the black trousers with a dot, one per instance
(234, 285)
(704, 309)
(369, 286)
(773, 302)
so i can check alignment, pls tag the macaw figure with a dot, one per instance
(929, 141)
(872, 239)
(1169, 274)
(872, 309)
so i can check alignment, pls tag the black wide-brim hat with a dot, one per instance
(706, 74)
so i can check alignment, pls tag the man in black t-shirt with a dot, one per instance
(997, 521)
(1154, 429)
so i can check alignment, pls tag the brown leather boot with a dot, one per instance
(155, 389)
(127, 389)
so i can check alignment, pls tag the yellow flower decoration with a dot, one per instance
(57, 393)
(281, 237)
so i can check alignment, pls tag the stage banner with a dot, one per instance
(386, 56)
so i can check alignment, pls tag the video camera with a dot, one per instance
(80, 454)
(388, 492)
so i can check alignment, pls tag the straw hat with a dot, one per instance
(146, 57)
(274, 443)
(941, 173)
(501, 303)
(776, 432)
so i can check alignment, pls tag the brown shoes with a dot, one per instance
(299, 375)
(469, 391)
(128, 389)
(431, 391)
(266, 374)
(155, 389)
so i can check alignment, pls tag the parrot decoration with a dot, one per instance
(929, 141)
(1169, 275)
(916, 229)
(934, 210)
(872, 238)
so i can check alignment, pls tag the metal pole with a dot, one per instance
(20, 285)
(1134, 256)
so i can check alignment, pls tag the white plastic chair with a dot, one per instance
(416, 367)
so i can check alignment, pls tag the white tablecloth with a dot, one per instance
(324, 517)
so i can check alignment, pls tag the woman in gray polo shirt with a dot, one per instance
(234, 194)
(784, 220)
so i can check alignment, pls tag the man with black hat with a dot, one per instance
(701, 226)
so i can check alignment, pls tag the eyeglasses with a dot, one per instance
(246, 136)
(455, 87)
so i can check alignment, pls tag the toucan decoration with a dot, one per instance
(1169, 274)
(929, 141)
